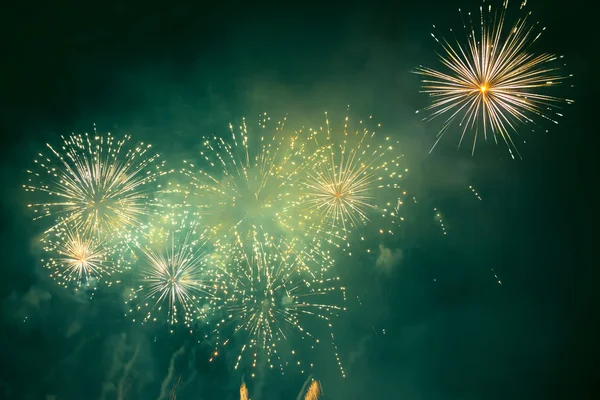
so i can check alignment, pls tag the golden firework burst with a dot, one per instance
(95, 184)
(494, 82)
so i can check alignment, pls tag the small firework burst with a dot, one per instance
(79, 258)
(174, 278)
(493, 83)
(95, 183)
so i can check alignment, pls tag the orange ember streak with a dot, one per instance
(314, 391)
(244, 392)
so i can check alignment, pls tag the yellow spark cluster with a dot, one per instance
(245, 181)
(79, 258)
(353, 176)
(94, 183)
(174, 278)
(266, 296)
(494, 82)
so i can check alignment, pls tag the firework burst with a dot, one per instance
(269, 298)
(79, 258)
(252, 181)
(95, 184)
(493, 83)
(245, 181)
(351, 178)
(174, 278)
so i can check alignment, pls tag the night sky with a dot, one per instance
(432, 322)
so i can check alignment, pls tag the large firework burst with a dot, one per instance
(493, 83)
(95, 184)
(251, 181)
(174, 278)
(79, 257)
(270, 300)
(244, 181)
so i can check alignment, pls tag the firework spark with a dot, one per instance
(439, 219)
(496, 276)
(80, 258)
(174, 277)
(493, 82)
(95, 183)
(266, 295)
(475, 192)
